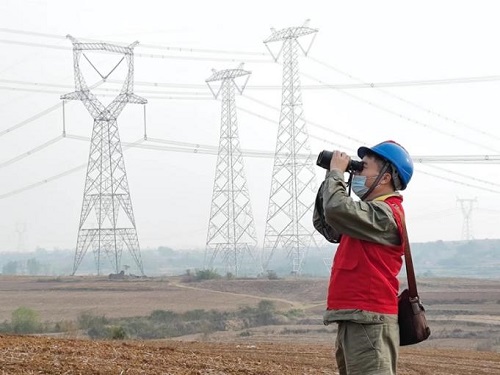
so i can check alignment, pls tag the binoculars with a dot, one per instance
(325, 157)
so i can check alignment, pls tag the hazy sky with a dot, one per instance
(358, 41)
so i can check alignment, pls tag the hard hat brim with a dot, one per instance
(362, 151)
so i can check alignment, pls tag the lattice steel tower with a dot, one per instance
(293, 187)
(467, 205)
(231, 230)
(107, 222)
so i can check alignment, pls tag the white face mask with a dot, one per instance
(358, 185)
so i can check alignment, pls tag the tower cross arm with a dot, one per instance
(134, 99)
(102, 46)
(227, 74)
(290, 33)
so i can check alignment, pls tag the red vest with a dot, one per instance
(364, 274)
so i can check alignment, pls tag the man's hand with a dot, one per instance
(340, 161)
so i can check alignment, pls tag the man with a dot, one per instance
(363, 289)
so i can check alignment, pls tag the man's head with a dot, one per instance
(387, 168)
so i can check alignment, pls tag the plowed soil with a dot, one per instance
(43, 355)
(464, 316)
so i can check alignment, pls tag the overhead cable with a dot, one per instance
(196, 149)
(489, 159)
(142, 45)
(407, 118)
(40, 114)
(55, 177)
(312, 123)
(460, 182)
(105, 93)
(31, 119)
(345, 86)
(378, 86)
(144, 55)
(31, 152)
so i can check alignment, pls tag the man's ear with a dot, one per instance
(386, 178)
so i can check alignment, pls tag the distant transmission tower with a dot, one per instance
(21, 230)
(106, 196)
(467, 206)
(293, 187)
(231, 230)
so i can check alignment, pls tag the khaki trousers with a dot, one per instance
(367, 348)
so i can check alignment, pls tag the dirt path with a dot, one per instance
(292, 304)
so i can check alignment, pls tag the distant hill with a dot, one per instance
(476, 258)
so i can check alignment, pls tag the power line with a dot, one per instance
(429, 159)
(362, 85)
(142, 45)
(443, 159)
(212, 150)
(195, 148)
(31, 119)
(26, 89)
(32, 33)
(460, 182)
(404, 117)
(378, 86)
(144, 55)
(40, 114)
(38, 84)
(42, 182)
(488, 210)
(100, 89)
(467, 176)
(319, 126)
(31, 152)
(55, 177)
(352, 86)
(436, 214)
(184, 96)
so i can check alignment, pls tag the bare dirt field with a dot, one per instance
(42, 355)
(464, 315)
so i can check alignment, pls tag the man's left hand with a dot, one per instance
(340, 161)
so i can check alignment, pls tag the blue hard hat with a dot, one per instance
(396, 155)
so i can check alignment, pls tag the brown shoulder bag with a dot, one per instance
(413, 326)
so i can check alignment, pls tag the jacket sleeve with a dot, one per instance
(319, 222)
(370, 221)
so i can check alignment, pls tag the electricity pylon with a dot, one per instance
(293, 187)
(106, 197)
(467, 205)
(231, 231)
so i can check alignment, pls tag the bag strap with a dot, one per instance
(410, 271)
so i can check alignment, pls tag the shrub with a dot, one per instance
(294, 313)
(25, 320)
(88, 319)
(117, 333)
(197, 314)
(163, 316)
(272, 275)
(95, 325)
(265, 312)
(206, 275)
(5, 327)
